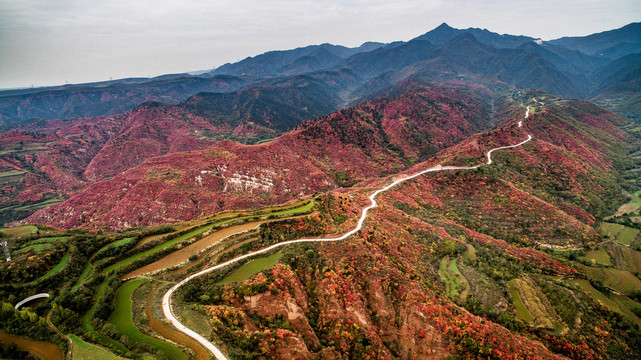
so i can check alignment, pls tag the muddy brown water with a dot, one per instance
(42, 349)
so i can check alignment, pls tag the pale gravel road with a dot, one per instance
(166, 300)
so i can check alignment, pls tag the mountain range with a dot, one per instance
(62, 140)
(569, 60)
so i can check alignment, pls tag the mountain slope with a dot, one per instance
(276, 105)
(626, 38)
(318, 60)
(621, 75)
(379, 137)
(99, 100)
(374, 139)
(380, 61)
(465, 55)
(563, 59)
(266, 108)
(617, 86)
(444, 266)
(369, 61)
(48, 161)
(289, 62)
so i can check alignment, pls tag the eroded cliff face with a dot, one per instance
(365, 325)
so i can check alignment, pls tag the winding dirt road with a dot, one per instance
(166, 300)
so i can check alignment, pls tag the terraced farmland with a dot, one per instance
(619, 280)
(122, 319)
(108, 320)
(522, 312)
(456, 286)
(251, 267)
(20, 230)
(619, 233)
(596, 294)
(599, 256)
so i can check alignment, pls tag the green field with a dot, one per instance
(122, 319)
(83, 350)
(89, 271)
(24, 148)
(20, 230)
(48, 240)
(596, 294)
(114, 244)
(35, 248)
(470, 253)
(543, 316)
(599, 256)
(634, 202)
(635, 199)
(522, 312)
(12, 172)
(632, 258)
(610, 229)
(619, 280)
(626, 305)
(86, 320)
(252, 267)
(160, 247)
(456, 286)
(37, 206)
(56, 269)
(619, 233)
(294, 210)
(627, 235)
(51, 239)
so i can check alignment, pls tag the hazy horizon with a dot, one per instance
(54, 43)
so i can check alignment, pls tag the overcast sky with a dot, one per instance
(47, 42)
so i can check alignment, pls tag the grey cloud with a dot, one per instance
(51, 41)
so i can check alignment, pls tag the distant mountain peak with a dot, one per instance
(443, 26)
(440, 35)
(444, 33)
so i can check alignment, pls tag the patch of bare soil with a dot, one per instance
(41, 349)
